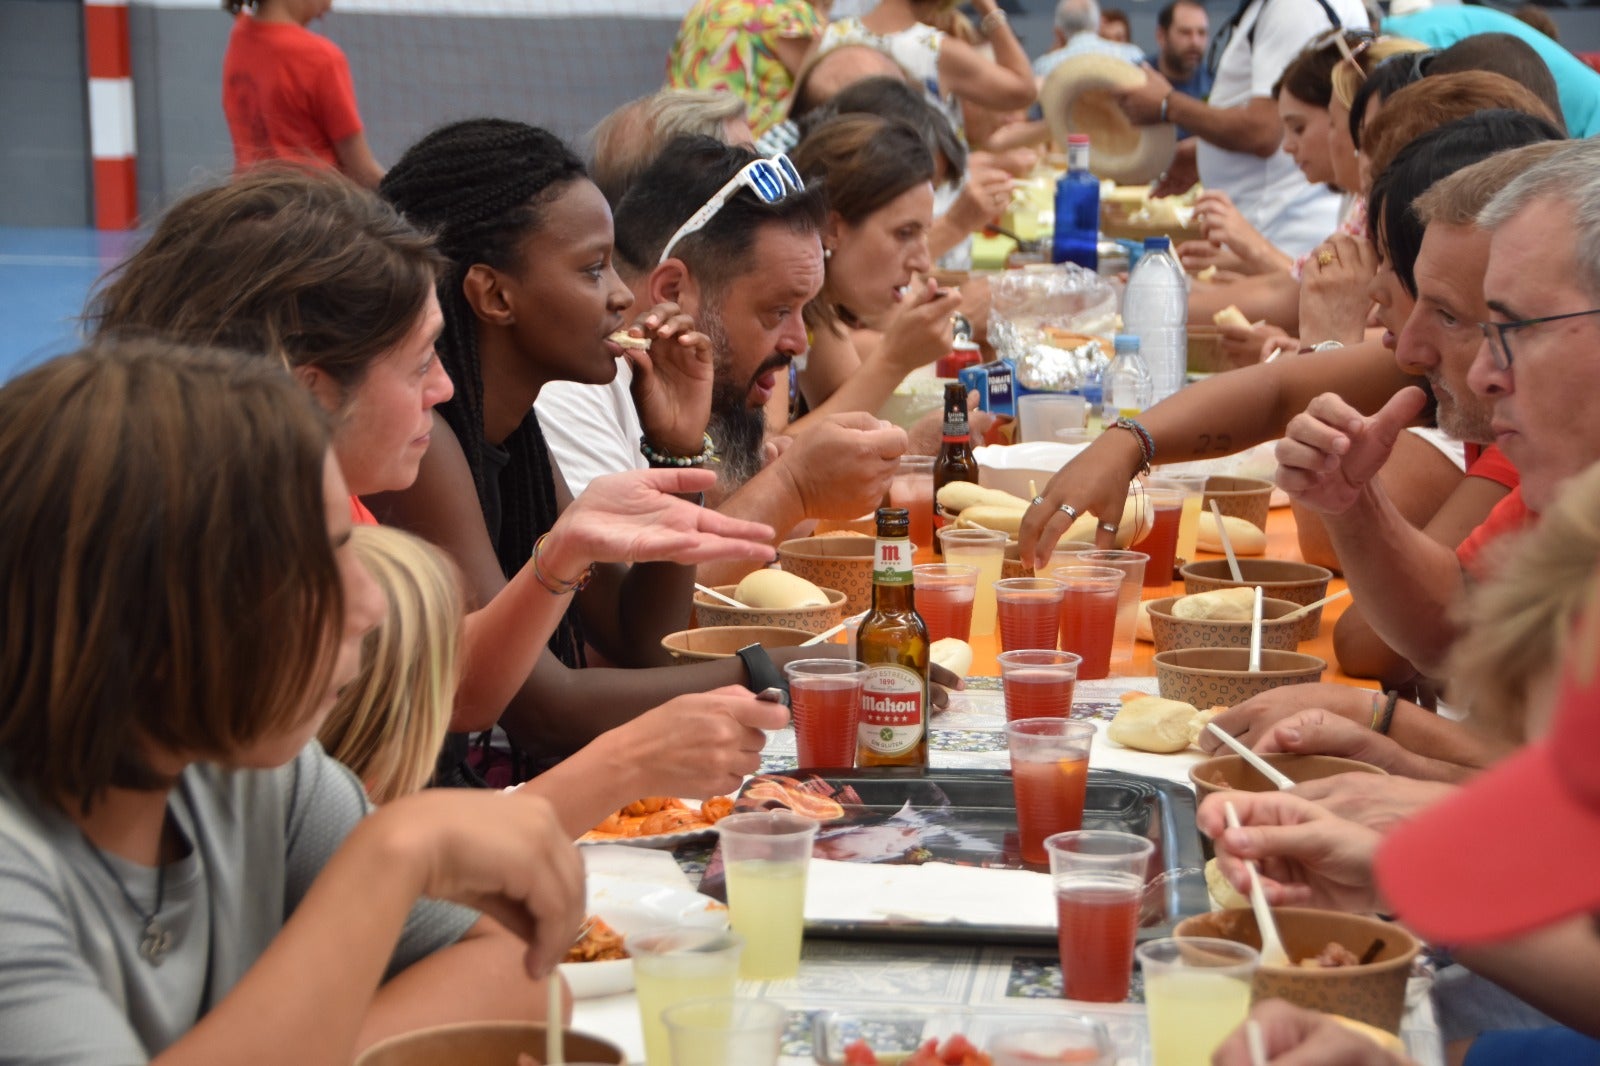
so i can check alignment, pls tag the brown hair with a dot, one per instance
(1539, 19)
(168, 576)
(1437, 100)
(302, 265)
(1457, 199)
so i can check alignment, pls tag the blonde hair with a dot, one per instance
(1347, 79)
(389, 724)
(1516, 623)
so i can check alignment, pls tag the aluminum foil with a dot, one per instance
(1047, 368)
(1066, 297)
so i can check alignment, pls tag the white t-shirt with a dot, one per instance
(1271, 193)
(592, 430)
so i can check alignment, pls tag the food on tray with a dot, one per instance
(778, 590)
(974, 505)
(657, 815)
(1223, 605)
(1247, 537)
(599, 943)
(1231, 316)
(954, 654)
(956, 1051)
(1222, 889)
(813, 797)
(623, 339)
(1153, 724)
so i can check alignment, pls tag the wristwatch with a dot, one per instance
(764, 673)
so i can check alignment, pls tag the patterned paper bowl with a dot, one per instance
(1281, 579)
(1249, 498)
(1230, 773)
(1216, 677)
(1374, 993)
(483, 1044)
(813, 619)
(843, 563)
(1172, 633)
(721, 642)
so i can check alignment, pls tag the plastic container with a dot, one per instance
(1155, 309)
(1077, 234)
(1127, 384)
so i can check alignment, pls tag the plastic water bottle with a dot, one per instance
(1077, 236)
(1155, 309)
(1126, 383)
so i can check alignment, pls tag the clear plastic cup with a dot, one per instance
(825, 704)
(1165, 505)
(674, 965)
(1132, 565)
(1193, 487)
(1070, 1038)
(1099, 880)
(1089, 615)
(766, 855)
(1028, 612)
(1196, 992)
(1050, 776)
(726, 1031)
(986, 550)
(944, 594)
(912, 488)
(1038, 683)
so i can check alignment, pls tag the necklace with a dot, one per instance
(154, 942)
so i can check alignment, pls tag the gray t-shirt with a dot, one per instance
(73, 986)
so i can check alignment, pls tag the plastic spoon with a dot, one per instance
(1272, 953)
(1301, 612)
(1256, 1041)
(1270, 772)
(714, 594)
(1227, 543)
(1255, 634)
(824, 635)
(554, 1046)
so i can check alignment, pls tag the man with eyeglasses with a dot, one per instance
(734, 241)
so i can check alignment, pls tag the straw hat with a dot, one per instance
(1076, 98)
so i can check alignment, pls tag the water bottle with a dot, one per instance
(1126, 383)
(1155, 309)
(1077, 236)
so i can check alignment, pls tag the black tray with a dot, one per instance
(978, 807)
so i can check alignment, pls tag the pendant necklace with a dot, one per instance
(154, 942)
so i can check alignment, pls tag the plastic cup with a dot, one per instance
(912, 488)
(825, 703)
(1074, 435)
(1069, 1038)
(1038, 683)
(724, 1031)
(766, 854)
(674, 965)
(1066, 553)
(1099, 880)
(1193, 487)
(986, 550)
(944, 596)
(1028, 612)
(1132, 565)
(1049, 774)
(1196, 992)
(1161, 543)
(1089, 615)
(1041, 414)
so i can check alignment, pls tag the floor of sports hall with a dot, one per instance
(45, 274)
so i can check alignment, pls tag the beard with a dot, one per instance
(738, 431)
(1467, 421)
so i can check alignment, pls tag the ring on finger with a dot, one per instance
(1108, 527)
(1038, 500)
(1324, 257)
(1070, 511)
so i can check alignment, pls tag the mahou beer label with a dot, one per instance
(891, 564)
(891, 709)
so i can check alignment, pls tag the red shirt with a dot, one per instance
(359, 513)
(1491, 463)
(1507, 516)
(286, 93)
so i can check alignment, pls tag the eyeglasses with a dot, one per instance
(1500, 346)
(769, 179)
(1341, 38)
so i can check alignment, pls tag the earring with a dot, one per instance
(827, 253)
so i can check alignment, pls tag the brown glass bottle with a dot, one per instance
(893, 643)
(956, 461)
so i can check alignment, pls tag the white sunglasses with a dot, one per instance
(770, 179)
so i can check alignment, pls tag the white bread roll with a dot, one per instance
(1247, 538)
(778, 590)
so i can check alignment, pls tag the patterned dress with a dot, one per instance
(916, 49)
(727, 45)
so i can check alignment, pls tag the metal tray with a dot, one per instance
(977, 808)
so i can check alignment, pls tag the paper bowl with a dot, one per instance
(1374, 993)
(843, 563)
(1249, 498)
(483, 1044)
(814, 619)
(1280, 579)
(1171, 633)
(1240, 776)
(1216, 677)
(721, 642)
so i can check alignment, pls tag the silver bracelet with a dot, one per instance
(993, 21)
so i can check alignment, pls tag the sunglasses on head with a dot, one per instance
(771, 180)
(1352, 45)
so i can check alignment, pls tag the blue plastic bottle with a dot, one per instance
(1077, 235)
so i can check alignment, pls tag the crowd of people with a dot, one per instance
(368, 482)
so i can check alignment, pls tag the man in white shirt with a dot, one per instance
(1078, 33)
(1238, 130)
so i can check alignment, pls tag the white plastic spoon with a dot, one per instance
(714, 594)
(1272, 953)
(1269, 771)
(1301, 612)
(1227, 543)
(1255, 634)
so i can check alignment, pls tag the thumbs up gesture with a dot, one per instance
(1331, 451)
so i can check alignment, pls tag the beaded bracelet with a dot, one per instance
(656, 458)
(555, 586)
(1388, 712)
(1147, 443)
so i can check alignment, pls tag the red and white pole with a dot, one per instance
(112, 140)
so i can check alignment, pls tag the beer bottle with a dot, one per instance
(956, 461)
(893, 643)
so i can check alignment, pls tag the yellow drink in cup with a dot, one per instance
(985, 549)
(1196, 992)
(766, 854)
(675, 966)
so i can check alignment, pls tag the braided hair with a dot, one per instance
(481, 186)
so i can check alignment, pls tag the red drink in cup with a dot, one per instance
(912, 488)
(1038, 683)
(944, 595)
(1050, 776)
(1089, 615)
(1099, 882)
(1028, 610)
(1161, 544)
(825, 703)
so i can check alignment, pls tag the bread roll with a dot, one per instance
(959, 495)
(1222, 889)
(1141, 629)
(953, 654)
(623, 339)
(1152, 724)
(1231, 316)
(778, 590)
(1247, 537)
(1136, 522)
(1223, 605)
